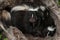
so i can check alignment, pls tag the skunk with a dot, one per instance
(33, 19)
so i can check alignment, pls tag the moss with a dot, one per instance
(58, 2)
(5, 39)
(0, 36)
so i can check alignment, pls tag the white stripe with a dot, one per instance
(24, 7)
(17, 8)
(33, 9)
(51, 29)
(32, 15)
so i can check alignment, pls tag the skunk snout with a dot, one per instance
(32, 20)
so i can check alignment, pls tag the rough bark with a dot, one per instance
(16, 33)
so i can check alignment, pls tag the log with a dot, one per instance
(14, 34)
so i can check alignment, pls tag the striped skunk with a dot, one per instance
(33, 19)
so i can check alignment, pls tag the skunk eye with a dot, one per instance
(42, 8)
